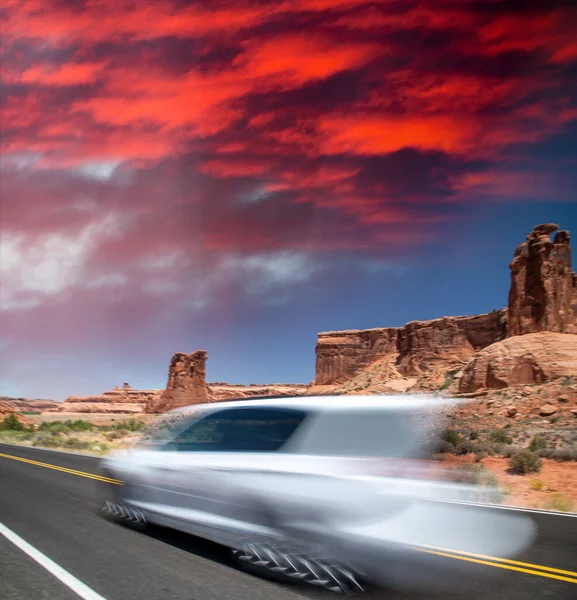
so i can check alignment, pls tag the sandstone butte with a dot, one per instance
(431, 354)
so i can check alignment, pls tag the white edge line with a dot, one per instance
(539, 511)
(510, 507)
(61, 574)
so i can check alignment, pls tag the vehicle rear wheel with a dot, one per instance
(292, 564)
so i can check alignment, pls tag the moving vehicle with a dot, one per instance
(319, 489)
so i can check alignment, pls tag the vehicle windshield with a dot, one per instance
(166, 427)
(387, 433)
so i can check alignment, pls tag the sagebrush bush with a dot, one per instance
(451, 436)
(525, 461)
(464, 447)
(444, 447)
(48, 441)
(508, 451)
(564, 454)
(538, 443)
(66, 426)
(129, 425)
(500, 436)
(76, 444)
(474, 435)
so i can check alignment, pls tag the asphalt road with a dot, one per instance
(54, 511)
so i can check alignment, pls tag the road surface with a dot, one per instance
(54, 546)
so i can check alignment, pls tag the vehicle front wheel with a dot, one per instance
(112, 504)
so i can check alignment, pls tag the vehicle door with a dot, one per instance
(206, 473)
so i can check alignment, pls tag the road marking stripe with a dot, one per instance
(497, 559)
(498, 565)
(79, 588)
(63, 469)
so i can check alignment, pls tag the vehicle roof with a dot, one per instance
(330, 403)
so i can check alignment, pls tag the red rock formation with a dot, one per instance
(27, 405)
(420, 347)
(518, 360)
(446, 342)
(186, 382)
(120, 400)
(543, 294)
(341, 354)
(227, 391)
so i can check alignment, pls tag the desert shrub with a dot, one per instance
(474, 435)
(537, 484)
(100, 448)
(114, 435)
(525, 461)
(558, 502)
(451, 436)
(464, 447)
(76, 444)
(508, 451)
(11, 423)
(129, 425)
(444, 447)
(538, 443)
(565, 454)
(16, 436)
(48, 441)
(66, 426)
(449, 378)
(546, 453)
(498, 435)
(474, 475)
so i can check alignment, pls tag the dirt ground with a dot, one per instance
(553, 488)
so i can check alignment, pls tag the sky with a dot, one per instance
(237, 176)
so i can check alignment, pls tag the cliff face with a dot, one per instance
(341, 354)
(418, 348)
(542, 297)
(543, 294)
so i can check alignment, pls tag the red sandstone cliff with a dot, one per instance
(419, 349)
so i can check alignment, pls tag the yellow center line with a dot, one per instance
(491, 561)
(499, 565)
(63, 469)
(494, 558)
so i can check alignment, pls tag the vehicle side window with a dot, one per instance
(240, 430)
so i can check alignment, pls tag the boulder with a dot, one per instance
(547, 410)
(531, 358)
